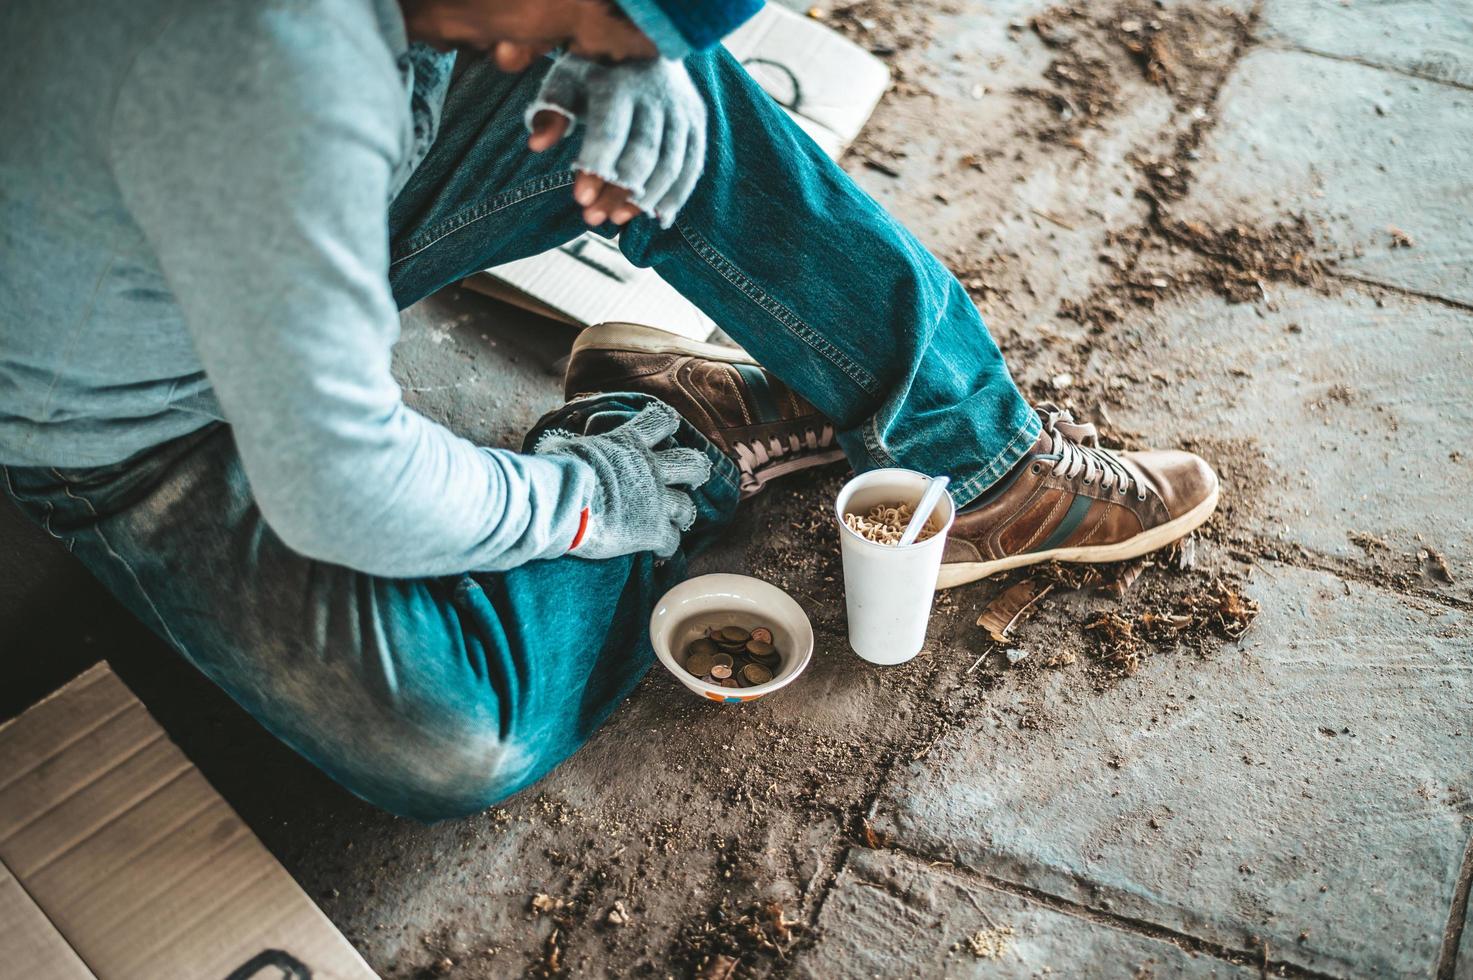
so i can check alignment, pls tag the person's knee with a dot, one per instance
(439, 779)
(438, 762)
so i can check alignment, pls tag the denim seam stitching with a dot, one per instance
(874, 445)
(729, 271)
(50, 508)
(490, 206)
(997, 467)
(728, 481)
(101, 536)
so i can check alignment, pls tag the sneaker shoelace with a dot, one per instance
(1076, 449)
(752, 456)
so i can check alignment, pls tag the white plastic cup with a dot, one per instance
(888, 589)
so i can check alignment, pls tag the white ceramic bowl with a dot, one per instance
(683, 613)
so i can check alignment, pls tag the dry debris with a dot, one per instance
(1226, 612)
(1126, 577)
(1435, 565)
(552, 956)
(541, 903)
(1008, 607)
(1181, 49)
(1183, 554)
(1239, 261)
(1368, 542)
(873, 839)
(719, 967)
(1200, 615)
(990, 944)
(723, 944)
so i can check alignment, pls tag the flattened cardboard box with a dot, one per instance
(827, 84)
(117, 859)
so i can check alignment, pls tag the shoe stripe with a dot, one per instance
(762, 398)
(1066, 527)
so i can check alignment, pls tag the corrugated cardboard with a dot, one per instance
(825, 82)
(30, 946)
(117, 859)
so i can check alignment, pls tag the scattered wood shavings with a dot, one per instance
(1007, 608)
(546, 903)
(873, 839)
(1228, 612)
(552, 956)
(1186, 553)
(1125, 578)
(782, 927)
(720, 967)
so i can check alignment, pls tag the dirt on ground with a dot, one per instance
(759, 835)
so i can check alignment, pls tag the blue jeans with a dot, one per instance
(437, 697)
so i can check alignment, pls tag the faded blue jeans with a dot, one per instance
(437, 697)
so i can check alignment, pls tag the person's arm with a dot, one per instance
(255, 148)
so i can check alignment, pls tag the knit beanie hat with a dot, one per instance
(679, 27)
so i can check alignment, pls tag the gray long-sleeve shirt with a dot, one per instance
(193, 226)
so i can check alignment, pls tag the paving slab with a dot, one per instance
(1330, 415)
(890, 915)
(485, 369)
(1309, 789)
(1361, 151)
(1424, 37)
(989, 171)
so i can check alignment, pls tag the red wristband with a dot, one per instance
(582, 530)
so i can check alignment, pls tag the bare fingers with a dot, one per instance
(547, 128)
(609, 199)
(602, 200)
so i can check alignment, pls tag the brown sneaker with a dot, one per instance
(1069, 500)
(752, 417)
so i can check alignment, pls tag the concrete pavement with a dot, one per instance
(1298, 802)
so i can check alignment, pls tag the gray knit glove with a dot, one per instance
(635, 507)
(645, 126)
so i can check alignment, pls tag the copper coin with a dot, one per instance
(762, 634)
(702, 645)
(758, 648)
(699, 663)
(754, 674)
(723, 660)
(721, 671)
(733, 634)
(730, 682)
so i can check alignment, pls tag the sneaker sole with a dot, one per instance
(652, 340)
(962, 572)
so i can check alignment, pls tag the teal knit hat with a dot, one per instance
(679, 27)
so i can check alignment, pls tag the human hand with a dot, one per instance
(635, 504)
(644, 143)
(602, 200)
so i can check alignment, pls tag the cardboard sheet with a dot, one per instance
(829, 85)
(132, 865)
(30, 945)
